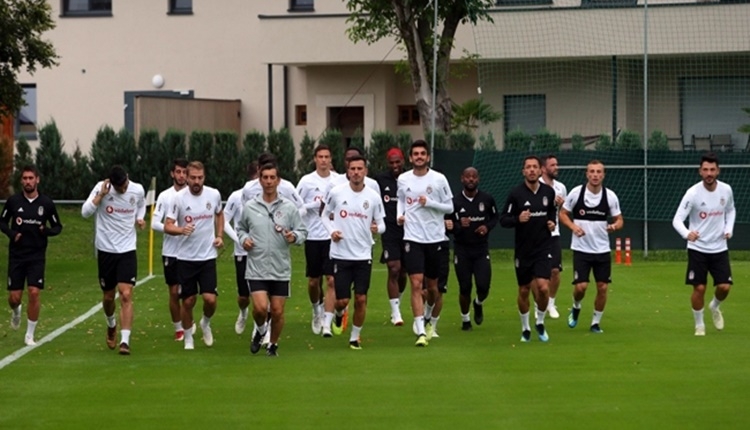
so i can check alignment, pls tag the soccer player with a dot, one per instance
(424, 197)
(119, 205)
(197, 217)
(709, 207)
(28, 219)
(473, 218)
(549, 177)
(352, 214)
(269, 225)
(312, 190)
(171, 244)
(586, 212)
(393, 238)
(254, 188)
(232, 215)
(530, 209)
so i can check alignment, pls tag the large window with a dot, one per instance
(26, 118)
(408, 115)
(522, 2)
(87, 8)
(301, 5)
(527, 113)
(180, 7)
(608, 3)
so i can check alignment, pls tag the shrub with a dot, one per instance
(305, 162)
(380, 143)
(487, 142)
(53, 163)
(21, 158)
(151, 160)
(199, 149)
(334, 140)
(253, 145)
(547, 142)
(629, 140)
(226, 168)
(461, 140)
(658, 141)
(518, 140)
(577, 142)
(281, 145)
(604, 143)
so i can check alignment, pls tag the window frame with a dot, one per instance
(298, 6)
(29, 135)
(174, 10)
(66, 13)
(411, 112)
(300, 115)
(503, 3)
(511, 100)
(593, 4)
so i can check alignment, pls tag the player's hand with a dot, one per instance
(481, 230)
(422, 200)
(611, 228)
(374, 227)
(140, 223)
(247, 244)
(578, 231)
(337, 236)
(188, 229)
(551, 225)
(465, 221)
(559, 200)
(106, 186)
(727, 236)
(400, 220)
(289, 236)
(524, 216)
(449, 224)
(693, 236)
(42, 230)
(17, 238)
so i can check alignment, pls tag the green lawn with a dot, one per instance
(646, 371)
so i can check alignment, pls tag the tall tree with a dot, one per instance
(22, 23)
(411, 22)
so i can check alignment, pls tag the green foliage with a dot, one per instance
(226, 168)
(253, 145)
(487, 142)
(174, 146)
(281, 144)
(404, 140)
(658, 141)
(6, 166)
(358, 140)
(334, 140)
(745, 128)
(462, 140)
(305, 162)
(440, 141)
(518, 140)
(109, 149)
(22, 43)
(469, 115)
(54, 165)
(152, 161)
(82, 180)
(200, 146)
(546, 142)
(577, 142)
(604, 143)
(380, 143)
(21, 158)
(629, 140)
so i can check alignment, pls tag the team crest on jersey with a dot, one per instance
(545, 201)
(481, 207)
(386, 198)
(409, 200)
(691, 275)
(365, 205)
(582, 212)
(429, 190)
(208, 206)
(132, 201)
(343, 213)
(278, 215)
(407, 247)
(721, 202)
(40, 211)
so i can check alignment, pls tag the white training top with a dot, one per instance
(232, 215)
(312, 190)
(353, 214)
(342, 179)
(170, 243)
(596, 239)
(116, 216)
(424, 224)
(285, 189)
(200, 211)
(561, 191)
(711, 213)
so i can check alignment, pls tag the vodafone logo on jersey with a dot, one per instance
(188, 219)
(704, 215)
(409, 200)
(386, 198)
(110, 209)
(343, 213)
(19, 221)
(318, 198)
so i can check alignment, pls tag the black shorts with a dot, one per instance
(584, 263)
(351, 275)
(273, 288)
(424, 258)
(700, 264)
(317, 258)
(445, 266)
(472, 261)
(539, 266)
(170, 270)
(31, 271)
(556, 253)
(240, 267)
(393, 250)
(197, 277)
(116, 269)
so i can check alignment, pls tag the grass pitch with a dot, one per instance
(646, 371)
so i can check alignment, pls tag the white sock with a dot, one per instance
(262, 329)
(395, 306)
(434, 322)
(327, 320)
(551, 303)
(243, 313)
(111, 320)
(428, 310)
(698, 317)
(477, 301)
(420, 325)
(525, 321)
(177, 325)
(714, 303)
(318, 309)
(188, 336)
(540, 316)
(125, 336)
(355, 333)
(576, 304)
(465, 317)
(205, 321)
(16, 310)
(30, 327)
(597, 317)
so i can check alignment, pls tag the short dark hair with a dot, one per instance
(321, 147)
(117, 176)
(252, 169)
(30, 168)
(179, 162)
(532, 157)
(354, 148)
(710, 157)
(268, 166)
(196, 165)
(548, 157)
(266, 158)
(419, 143)
(357, 158)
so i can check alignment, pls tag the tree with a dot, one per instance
(472, 113)
(411, 23)
(22, 23)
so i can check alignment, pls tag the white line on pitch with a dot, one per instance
(25, 350)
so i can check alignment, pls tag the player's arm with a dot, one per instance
(243, 225)
(617, 224)
(729, 216)
(444, 203)
(509, 215)
(5, 222)
(299, 229)
(551, 211)
(400, 203)
(158, 215)
(218, 223)
(493, 218)
(614, 209)
(229, 210)
(95, 198)
(55, 226)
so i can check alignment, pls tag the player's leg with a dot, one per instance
(554, 280)
(362, 273)
(582, 264)
(482, 268)
(16, 278)
(173, 286)
(279, 293)
(243, 293)
(261, 303)
(207, 283)
(721, 272)
(603, 276)
(107, 271)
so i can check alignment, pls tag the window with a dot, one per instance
(87, 8)
(523, 2)
(608, 3)
(527, 113)
(180, 7)
(408, 115)
(301, 5)
(300, 115)
(26, 118)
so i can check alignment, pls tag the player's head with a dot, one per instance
(266, 158)
(470, 179)
(179, 172)
(350, 152)
(709, 168)
(532, 168)
(395, 159)
(356, 169)
(549, 166)
(252, 170)
(118, 178)
(196, 176)
(322, 157)
(268, 176)
(29, 179)
(595, 172)
(419, 154)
